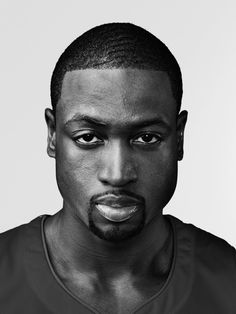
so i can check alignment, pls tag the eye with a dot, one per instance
(87, 138)
(147, 138)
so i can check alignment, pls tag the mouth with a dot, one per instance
(117, 208)
(116, 214)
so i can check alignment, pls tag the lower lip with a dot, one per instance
(116, 214)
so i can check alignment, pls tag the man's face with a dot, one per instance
(116, 144)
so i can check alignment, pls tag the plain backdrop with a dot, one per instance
(201, 35)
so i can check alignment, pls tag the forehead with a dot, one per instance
(119, 93)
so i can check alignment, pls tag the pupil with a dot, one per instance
(88, 137)
(147, 137)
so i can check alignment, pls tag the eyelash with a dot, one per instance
(87, 134)
(100, 141)
(153, 135)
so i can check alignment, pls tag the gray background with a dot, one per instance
(201, 34)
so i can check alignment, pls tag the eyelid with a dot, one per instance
(81, 133)
(154, 134)
(101, 139)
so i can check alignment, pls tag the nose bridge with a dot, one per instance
(118, 165)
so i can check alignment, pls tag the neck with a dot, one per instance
(71, 243)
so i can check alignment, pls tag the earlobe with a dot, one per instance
(51, 125)
(181, 122)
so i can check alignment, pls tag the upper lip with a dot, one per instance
(117, 201)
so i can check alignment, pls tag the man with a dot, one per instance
(116, 133)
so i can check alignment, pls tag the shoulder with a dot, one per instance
(207, 263)
(12, 235)
(21, 261)
(13, 242)
(203, 239)
(16, 246)
(209, 251)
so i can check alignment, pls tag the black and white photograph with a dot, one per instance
(118, 157)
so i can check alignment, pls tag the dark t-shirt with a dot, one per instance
(202, 279)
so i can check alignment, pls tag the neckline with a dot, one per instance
(85, 304)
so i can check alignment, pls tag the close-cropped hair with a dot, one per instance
(117, 45)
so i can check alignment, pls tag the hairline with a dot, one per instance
(145, 68)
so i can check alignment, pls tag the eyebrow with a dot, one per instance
(100, 123)
(85, 118)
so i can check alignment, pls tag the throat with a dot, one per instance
(73, 250)
(114, 284)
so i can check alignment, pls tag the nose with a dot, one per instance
(118, 166)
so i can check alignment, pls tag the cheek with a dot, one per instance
(160, 170)
(159, 175)
(160, 163)
(76, 172)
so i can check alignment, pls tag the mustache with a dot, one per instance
(117, 193)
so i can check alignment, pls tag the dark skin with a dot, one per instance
(115, 130)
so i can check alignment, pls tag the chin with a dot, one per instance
(115, 232)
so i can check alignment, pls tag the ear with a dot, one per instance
(181, 122)
(51, 124)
